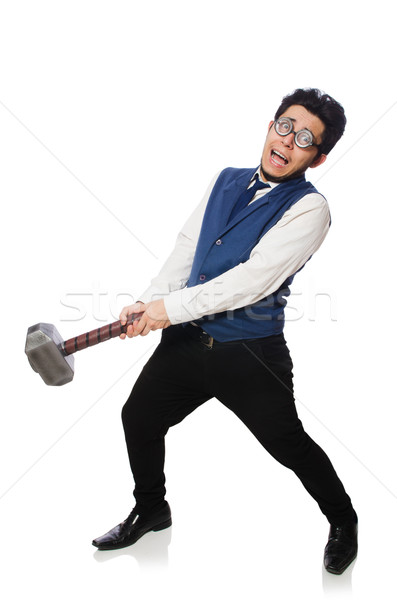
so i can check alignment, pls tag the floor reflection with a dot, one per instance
(335, 584)
(150, 551)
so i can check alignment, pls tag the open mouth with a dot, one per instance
(278, 159)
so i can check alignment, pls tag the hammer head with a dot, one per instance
(44, 351)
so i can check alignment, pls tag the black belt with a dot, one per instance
(196, 333)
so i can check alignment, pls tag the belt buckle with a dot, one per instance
(205, 336)
(210, 342)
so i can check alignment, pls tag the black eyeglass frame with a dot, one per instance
(296, 133)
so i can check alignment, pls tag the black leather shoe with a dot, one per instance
(134, 527)
(341, 549)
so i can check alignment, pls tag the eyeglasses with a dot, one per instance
(303, 137)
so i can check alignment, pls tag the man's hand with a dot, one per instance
(154, 317)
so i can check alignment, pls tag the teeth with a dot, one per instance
(281, 155)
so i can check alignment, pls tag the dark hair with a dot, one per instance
(324, 107)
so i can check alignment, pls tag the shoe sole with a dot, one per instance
(159, 527)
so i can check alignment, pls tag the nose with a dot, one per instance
(288, 140)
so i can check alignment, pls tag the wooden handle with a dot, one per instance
(96, 336)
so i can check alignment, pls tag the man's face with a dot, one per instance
(293, 161)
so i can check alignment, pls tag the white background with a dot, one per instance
(114, 116)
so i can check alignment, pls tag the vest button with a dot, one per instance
(218, 242)
(202, 277)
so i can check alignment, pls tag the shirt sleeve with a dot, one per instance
(281, 252)
(176, 270)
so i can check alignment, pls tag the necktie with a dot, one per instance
(245, 198)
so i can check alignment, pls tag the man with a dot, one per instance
(220, 300)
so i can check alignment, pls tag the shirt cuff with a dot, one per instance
(179, 307)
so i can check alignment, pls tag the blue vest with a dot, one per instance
(222, 246)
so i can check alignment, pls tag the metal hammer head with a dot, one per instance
(46, 356)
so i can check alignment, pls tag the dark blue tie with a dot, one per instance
(246, 197)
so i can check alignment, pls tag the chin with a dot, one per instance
(280, 178)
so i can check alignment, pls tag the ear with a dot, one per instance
(270, 126)
(318, 161)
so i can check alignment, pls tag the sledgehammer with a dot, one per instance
(52, 358)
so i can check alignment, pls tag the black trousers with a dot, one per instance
(252, 378)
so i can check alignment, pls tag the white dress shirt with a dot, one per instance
(280, 253)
